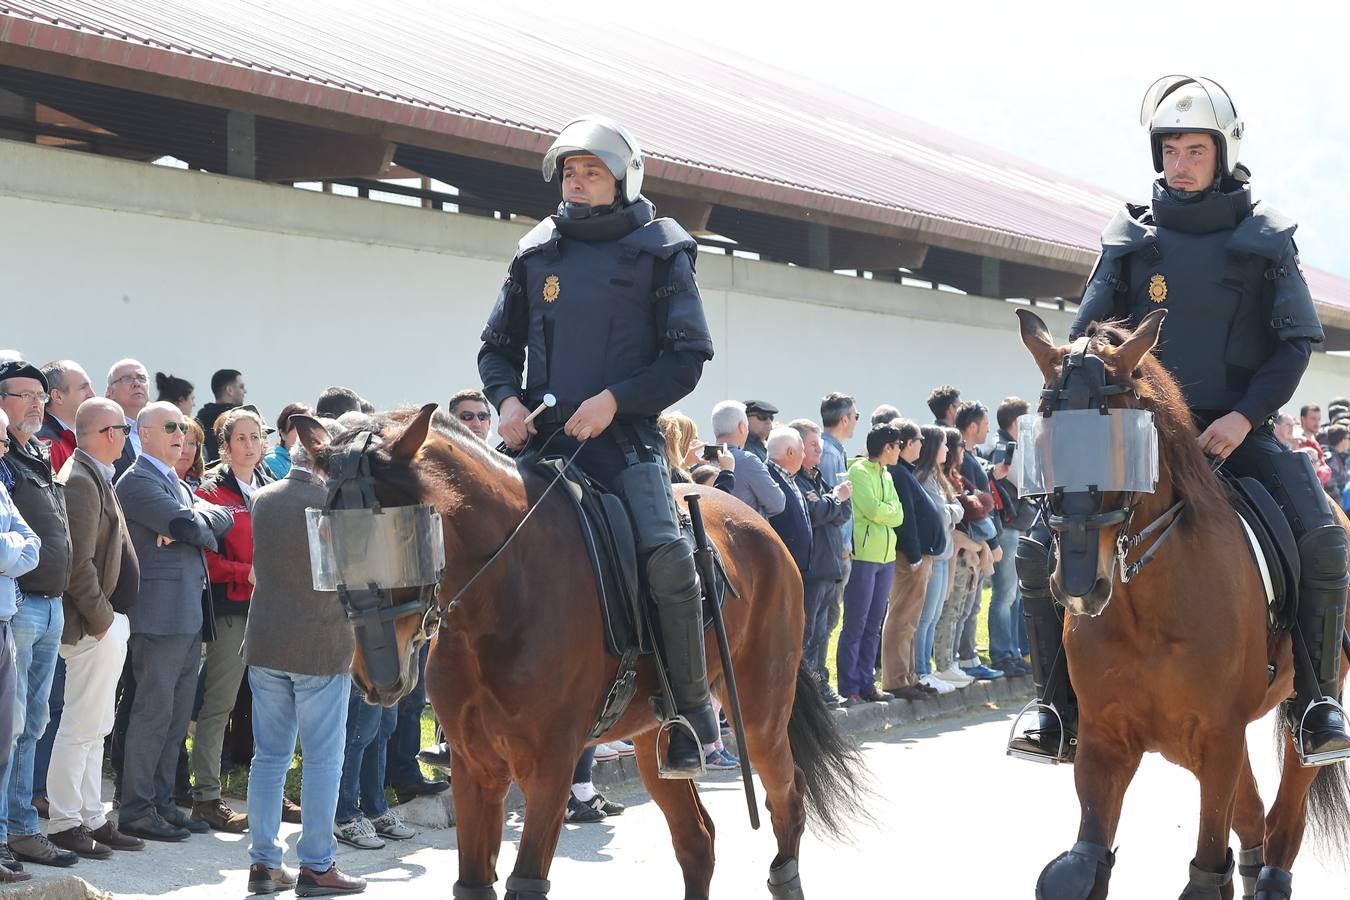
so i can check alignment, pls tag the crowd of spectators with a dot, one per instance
(134, 612)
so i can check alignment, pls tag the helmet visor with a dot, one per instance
(595, 137)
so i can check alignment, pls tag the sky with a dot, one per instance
(1061, 83)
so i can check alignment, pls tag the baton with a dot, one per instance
(703, 558)
(550, 401)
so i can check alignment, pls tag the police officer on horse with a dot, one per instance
(601, 310)
(1238, 337)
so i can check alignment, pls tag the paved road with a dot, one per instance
(956, 819)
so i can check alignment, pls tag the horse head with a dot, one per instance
(381, 542)
(1086, 454)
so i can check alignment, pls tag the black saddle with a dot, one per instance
(1267, 521)
(626, 611)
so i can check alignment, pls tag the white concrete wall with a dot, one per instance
(299, 290)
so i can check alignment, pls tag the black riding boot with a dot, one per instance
(1048, 741)
(679, 609)
(1315, 715)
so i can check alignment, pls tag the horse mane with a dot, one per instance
(406, 480)
(1178, 448)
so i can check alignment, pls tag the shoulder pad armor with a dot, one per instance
(1129, 231)
(538, 237)
(1266, 232)
(662, 238)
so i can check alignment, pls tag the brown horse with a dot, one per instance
(1177, 665)
(518, 670)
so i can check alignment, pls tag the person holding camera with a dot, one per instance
(686, 455)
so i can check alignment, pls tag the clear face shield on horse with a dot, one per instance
(366, 552)
(1077, 452)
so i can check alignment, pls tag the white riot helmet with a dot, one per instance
(1179, 104)
(610, 142)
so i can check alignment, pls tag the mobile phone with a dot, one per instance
(711, 451)
(1005, 453)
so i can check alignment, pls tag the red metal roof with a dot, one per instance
(508, 75)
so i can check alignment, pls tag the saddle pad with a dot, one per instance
(1273, 545)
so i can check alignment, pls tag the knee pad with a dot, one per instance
(1033, 563)
(1322, 553)
(671, 573)
(1081, 874)
(1291, 480)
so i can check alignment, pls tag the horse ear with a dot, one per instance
(407, 444)
(1131, 353)
(1038, 341)
(313, 436)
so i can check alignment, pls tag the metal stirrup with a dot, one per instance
(1038, 705)
(1318, 759)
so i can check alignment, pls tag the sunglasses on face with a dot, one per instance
(29, 396)
(763, 417)
(171, 427)
(480, 416)
(124, 428)
(6, 441)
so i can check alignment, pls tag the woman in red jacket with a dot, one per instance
(240, 434)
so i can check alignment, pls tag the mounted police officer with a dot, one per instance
(1239, 331)
(600, 309)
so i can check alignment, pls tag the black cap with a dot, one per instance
(759, 406)
(21, 368)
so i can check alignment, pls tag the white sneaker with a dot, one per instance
(937, 684)
(955, 676)
(605, 753)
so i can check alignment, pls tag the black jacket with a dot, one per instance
(41, 500)
(793, 524)
(924, 531)
(827, 517)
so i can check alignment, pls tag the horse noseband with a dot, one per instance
(365, 551)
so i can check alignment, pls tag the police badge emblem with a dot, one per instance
(1184, 104)
(1157, 289)
(552, 288)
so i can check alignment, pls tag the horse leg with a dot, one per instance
(691, 828)
(478, 823)
(784, 790)
(1103, 770)
(1219, 766)
(545, 786)
(1249, 823)
(1285, 824)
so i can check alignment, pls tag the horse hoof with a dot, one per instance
(1081, 874)
(1274, 883)
(1208, 885)
(784, 882)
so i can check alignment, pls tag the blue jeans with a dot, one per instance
(865, 599)
(818, 595)
(315, 708)
(401, 754)
(37, 636)
(834, 605)
(1004, 636)
(362, 788)
(56, 702)
(933, 599)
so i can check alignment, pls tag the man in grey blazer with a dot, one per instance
(169, 530)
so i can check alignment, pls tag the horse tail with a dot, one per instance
(836, 790)
(1328, 797)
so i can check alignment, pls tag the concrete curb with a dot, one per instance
(439, 811)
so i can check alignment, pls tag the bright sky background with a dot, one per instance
(1060, 83)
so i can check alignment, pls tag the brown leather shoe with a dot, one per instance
(80, 841)
(107, 833)
(323, 884)
(290, 812)
(218, 815)
(36, 848)
(262, 880)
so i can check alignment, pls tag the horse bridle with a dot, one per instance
(1082, 385)
(371, 607)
